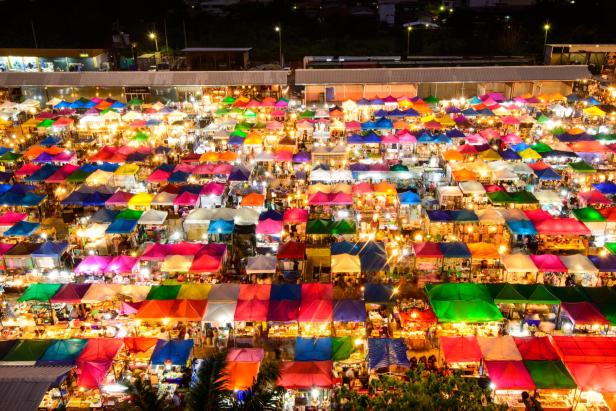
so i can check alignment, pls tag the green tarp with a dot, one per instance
(78, 176)
(475, 311)
(27, 350)
(343, 227)
(599, 295)
(140, 136)
(500, 197)
(550, 375)
(342, 347)
(431, 100)
(611, 247)
(541, 147)
(581, 167)
(458, 291)
(523, 197)
(505, 294)
(9, 156)
(135, 102)
(39, 292)
(317, 227)
(221, 111)
(128, 214)
(588, 215)
(568, 294)
(163, 292)
(228, 100)
(608, 310)
(536, 294)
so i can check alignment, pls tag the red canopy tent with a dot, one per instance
(561, 226)
(316, 311)
(291, 250)
(538, 215)
(70, 293)
(317, 291)
(253, 303)
(584, 313)
(295, 216)
(594, 376)
(593, 197)
(283, 310)
(241, 375)
(306, 374)
(427, 249)
(509, 375)
(586, 348)
(92, 373)
(460, 349)
(536, 348)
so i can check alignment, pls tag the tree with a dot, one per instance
(145, 397)
(209, 393)
(264, 394)
(423, 390)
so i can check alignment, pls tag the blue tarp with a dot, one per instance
(368, 125)
(110, 167)
(176, 351)
(50, 141)
(384, 123)
(221, 227)
(21, 229)
(372, 138)
(271, 215)
(104, 215)
(121, 226)
(62, 352)
(470, 112)
(5, 176)
(74, 198)
(313, 349)
(378, 293)
(384, 352)
(522, 227)
(409, 112)
(31, 200)
(286, 292)
(606, 187)
(454, 133)
(519, 147)
(349, 311)
(355, 139)
(178, 177)
(43, 173)
(439, 216)
(509, 154)
(372, 255)
(236, 141)
(239, 174)
(463, 216)
(548, 174)
(409, 197)
(95, 199)
(455, 249)
(51, 249)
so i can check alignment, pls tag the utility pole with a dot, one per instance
(166, 39)
(185, 38)
(33, 34)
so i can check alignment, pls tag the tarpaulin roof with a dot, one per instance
(163, 292)
(175, 351)
(349, 311)
(384, 352)
(473, 311)
(27, 351)
(550, 375)
(584, 313)
(585, 348)
(261, 264)
(504, 293)
(460, 349)
(458, 291)
(313, 349)
(536, 348)
(62, 352)
(139, 344)
(568, 294)
(595, 376)
(51, 249)
(345, 263)
(220, 312)
(283, 310)
(537, 294)
(305, 374)
(378, 293)
(70, 293)
(226, 292)
(291, 250)
(604, 264)
(39, 292)
(509, 375)
(483, 250)
(240, 375)
(455, 250)
(499, 348)
(427, 249)
(588, 214)
(548, 263)
(316, 310)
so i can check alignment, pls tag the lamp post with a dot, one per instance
(152, 36)
(279, 31)
(408, 40)
(546, 28)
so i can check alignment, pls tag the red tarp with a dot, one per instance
(317, 291)
(584, 313)
(598, 377)
(594, 197)
(283, 310)
(427, 249)
(100, 349)
(246, 354)
(92, 373)
(561, 226)
(548, 263)
(252, 303)
(586, 348)
(316, 311)
(295, 216)
(291, 250)
(509, 375)
(460, 349)
(139, 344)
(538, 215)
(306, 374)
(205, 263)
(536, 348)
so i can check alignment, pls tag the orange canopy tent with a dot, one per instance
(253, 200)
(241, 375)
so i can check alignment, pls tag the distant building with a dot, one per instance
(499, 3)
(217, 58)
(600, 58)
(44, 60)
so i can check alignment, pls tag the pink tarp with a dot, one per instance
(159, 176)
(548, 263)
(561, 226)
(509, 375)
(295, 216)
(283, 155)
(11, 218)
(186, 199)
(584, 313)
(427, 249)
(62, 173)
(269, 226)
(245, 354)
(93, 264)
(122, 264)
(28, 169)
(119, 198)
(594, 197)
(92, 373)
(213, 188)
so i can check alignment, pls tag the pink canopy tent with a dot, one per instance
(186, 199)
(548, 263)
(352, 125)
(536, 348)
(509, 375)
(584, 313)
(283, 155)
(28, 169)
(538, 215)
(489, 133)
(511, 139)
(510, 120)
(316, 311)
(340, 199)
(406, 138)
(389, 139)
(561, 226)
(205, 263)
(245, 354)
(119, 198)
(274, 125)
(213, 188)
(362, 188)
(475, 139)
(11, 218)
(460, 349)
(92, 373)
(121, 264)
(184, 168)
(318, 198)
(93, 264)
(251, 310)
(269, 227)
(427, 249)
(295, 216)
(62, 173)
(593, 197)
(70, 293)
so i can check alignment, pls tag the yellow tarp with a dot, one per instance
(127, 169)
(529, 154)
(141, 200)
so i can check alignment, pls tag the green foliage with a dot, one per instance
(423, 390)
(145, 397)
(209, 394)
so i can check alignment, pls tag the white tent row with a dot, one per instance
(241, 216)
(153, 217)
(261, 264)
(548, 197)
(472, 188)
(518, 263)
(330, 175)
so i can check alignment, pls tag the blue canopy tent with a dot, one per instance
(521, 227)
(363, 102)
(166, 167)
(470, 112)
(384, 352)
(110, 167)
(409, 198)
(117, 105)
(121, 226)
(442, 139)
(313, 349)
(454, 133)
(509, 154)
(239, 173)
(178, 177)
(372, 138)
(191, 188)
(62, 352)
(463, 216)
(606, 187)
(485, 112)
(270, 215)
(21, 229)
(355, 139)
(456, 249)
(43, 173)
(221, 227)
(425, 138)
(104, 215)
(548, 174)
(236, 141)
(377, 102)
(368, 125)
(384, 123)
(281, 292)
(349, 311)
(51, 249)
(409, 112)
(50, 141)
(378, 293)
(440, 216)
(31, 200)
(395, 113)
(175, 351)
(381, 113)
(96, 199)
(519, 147)
(74, 198)
(136, 157)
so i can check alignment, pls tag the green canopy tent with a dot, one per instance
(523, 197)
(611, 247)
(318, 227)
(343, 227)
(581, 167)
(599, 295)
(537, 294)
(163, 292)
(27, 351)
(45, 123)
(221, 111)
(140, 136)
(550, 375)
(500, 197)
(39, 292)
(542, 119)
(238, 133)
(228, 100)
(135, 102)
(9, 157)
(608, 310)
(249, 114)
(79, 176)
(129, 214)
(458, 291)
(588, 215)
(568, 294)
(342, 347)
(541, 147)
(431, 100)
(307, 114)
(504, 293)
(474, 311)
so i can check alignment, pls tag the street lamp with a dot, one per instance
(152, 36)
(546, 28)
(408, 40)
(279, 31)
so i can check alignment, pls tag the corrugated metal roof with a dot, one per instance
(145, 78)
(440, 74)
(23, 388)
